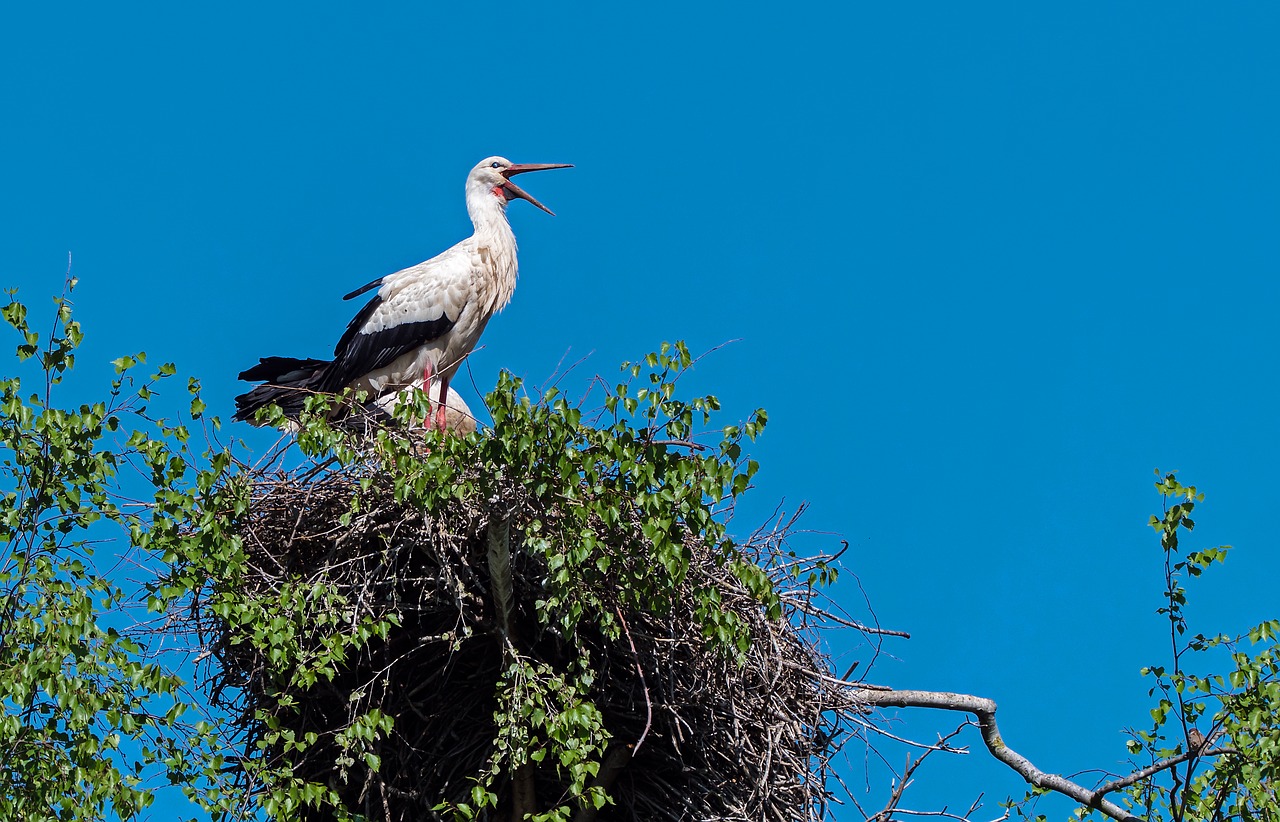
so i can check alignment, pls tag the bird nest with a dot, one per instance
(694, 733)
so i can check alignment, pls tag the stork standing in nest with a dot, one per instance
(423, 320)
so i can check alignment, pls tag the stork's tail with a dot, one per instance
(288, 383)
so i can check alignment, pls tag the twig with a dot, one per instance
(1163, 764)
(648, 706)
(696, 446)
(803, 605)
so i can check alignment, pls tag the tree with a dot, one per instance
(1211, 750)
(564, 589)
(89, 714)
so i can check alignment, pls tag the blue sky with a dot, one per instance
(988, 266)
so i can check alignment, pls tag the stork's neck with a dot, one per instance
(496, 243)
(488, 212)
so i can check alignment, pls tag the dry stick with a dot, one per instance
(523, 797)
(813, 610)
(985, 711)
(500, 571)
(648, 706)
(696, 446)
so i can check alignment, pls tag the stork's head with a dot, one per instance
(492, 176)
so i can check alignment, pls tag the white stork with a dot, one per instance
(457, 414)
(424, 320)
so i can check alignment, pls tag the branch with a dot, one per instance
(499, 541)
(523, 798)
(985, 711)
(648, 705)
(1163, 764)
(801, 603)
(696, 446)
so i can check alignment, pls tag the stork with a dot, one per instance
(457, 414)
(423, 320)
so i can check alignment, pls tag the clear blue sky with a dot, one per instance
(990, 264)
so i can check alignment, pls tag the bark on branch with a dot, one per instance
(985, 712)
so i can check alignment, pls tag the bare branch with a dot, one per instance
(802, 604)
(648, 704)
(943, 814)
(696, 446)
(1163, 764)
(985, 711)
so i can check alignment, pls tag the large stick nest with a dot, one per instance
(722, 740)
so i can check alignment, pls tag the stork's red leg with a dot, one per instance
(426, 386)
(444, 397)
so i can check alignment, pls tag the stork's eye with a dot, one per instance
(495, 164)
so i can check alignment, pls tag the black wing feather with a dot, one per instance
(289, 381)
(360, 352)
(362, 289)
(282, 369)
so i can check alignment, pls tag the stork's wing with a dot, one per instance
(414, 307)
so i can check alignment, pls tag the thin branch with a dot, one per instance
(801, 604)
(648, 705)
(902, 740)
(1163, 764)
(943, 814)
(696, 446)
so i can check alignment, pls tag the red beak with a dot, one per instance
(512, 191)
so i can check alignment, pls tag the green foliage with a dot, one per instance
(631, 497)
(87, 717)
(615, 507)
(546, 722)
(1228, 726)
(623, 501)
(1212, 750)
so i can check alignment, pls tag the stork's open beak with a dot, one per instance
(513, 191)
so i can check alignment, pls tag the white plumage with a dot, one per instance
(457, 414)
(423, 320)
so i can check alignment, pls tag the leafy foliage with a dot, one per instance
(640, 467)
(613, 512)
(1227, 726)
(87, 718)
(1212, 751)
